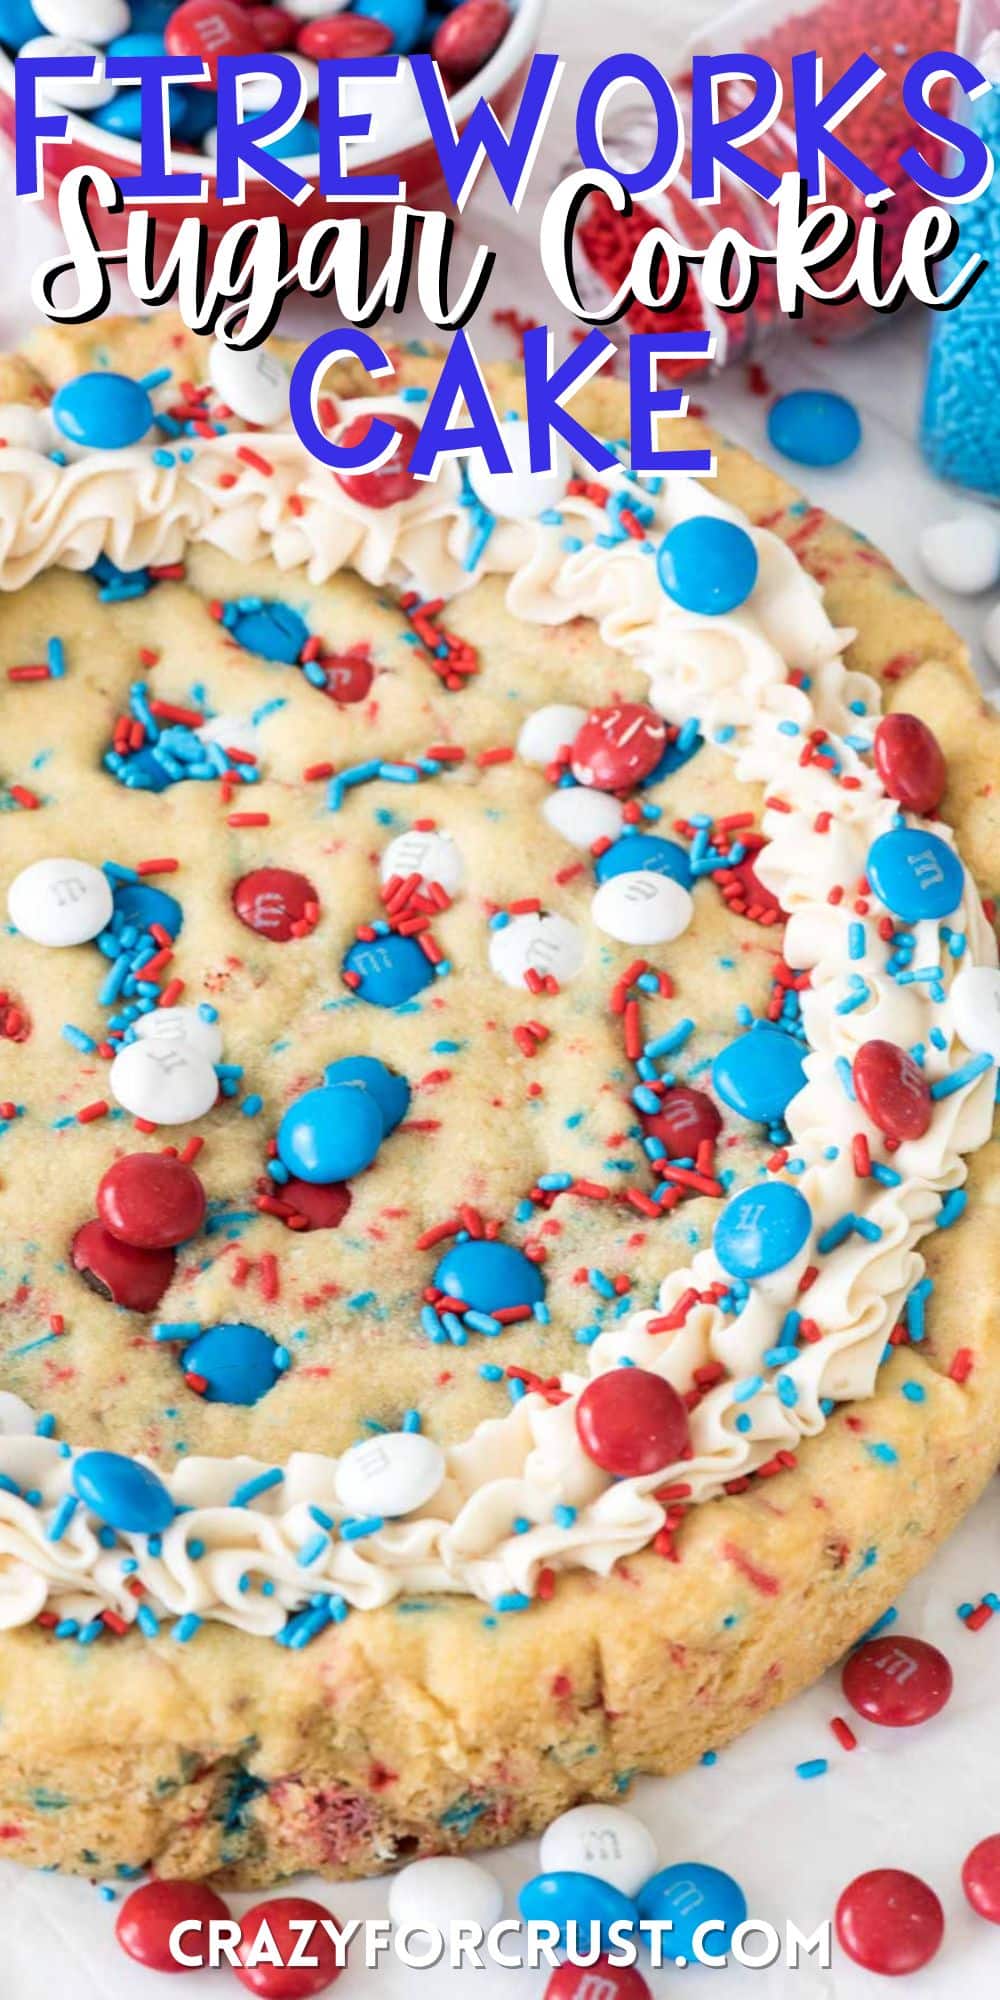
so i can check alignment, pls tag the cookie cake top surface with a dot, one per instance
(491, 1012)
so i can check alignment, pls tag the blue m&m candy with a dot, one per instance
(138, 42)
(915, 874)
(489, 1276)
(390, 1090)
(103, 412)
(298, 143)
(140, 904)
(18, 23)
(404, 18)
(331, 1134)
(762, 1229)
(688, 1895)
(760, 1073)
(123, 114)
(237, 1363)
(814, 427)
(126, 1495)
(388, 971)
(566, 1897)
(679, 751)
(199, 112)
(150, 17)
(274, 631)
(707, 565)
(644, 851)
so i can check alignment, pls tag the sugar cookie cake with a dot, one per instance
(500, 1030)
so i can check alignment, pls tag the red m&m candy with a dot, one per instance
(273, 28)
(122, 1273)
(344, 36)
(150, 1915)
(685, 1119)
(277, 903)
(910, 762)
(209, 29)
(601, 1981)
(151, 1200)
(631, 1422)
(889, 1921)
(324, 1205)
(897, 1682)
(288, 1982)
(387, 484)
(468, 37)
(893, 1089)
(981, 1878)
(617, 747)
(348, 676)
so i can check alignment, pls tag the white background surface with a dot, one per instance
(917, 1800)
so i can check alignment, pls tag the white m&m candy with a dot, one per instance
(60, 901)
(72, 93)
(549, 730)
(444, 1889)
(963, 554)
(431, 854)
(642, 908)
(102, 19)
(583, 816)
(260, 92)
(168, 1083)
(975, 1009)
(250, 382)
(389, 1475)
(183, 1027)
(547, 945)
(602, 1841)
(520, 494)
(314, 10)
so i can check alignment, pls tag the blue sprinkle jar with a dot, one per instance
(961, 419)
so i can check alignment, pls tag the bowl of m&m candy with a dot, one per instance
(482, 49)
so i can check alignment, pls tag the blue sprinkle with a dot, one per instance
(947, 1085)
(843, 1069)
(312, 1550)
(953, 1205)
(251, 1489)
(357, 1531)
(61, 1518)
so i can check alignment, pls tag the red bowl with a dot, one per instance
(413, 159)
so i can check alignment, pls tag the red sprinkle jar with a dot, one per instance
(896, 33)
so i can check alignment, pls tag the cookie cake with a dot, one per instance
(499, 1035)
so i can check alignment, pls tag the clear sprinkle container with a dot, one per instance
(895, 32)
(961, 422)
